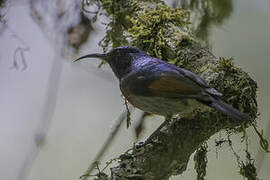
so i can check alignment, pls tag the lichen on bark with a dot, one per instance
(163, 32)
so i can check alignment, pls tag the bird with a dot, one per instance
(158, 87)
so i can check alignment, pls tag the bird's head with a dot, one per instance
(120, 59)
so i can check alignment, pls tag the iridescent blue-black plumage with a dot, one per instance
(158, 87)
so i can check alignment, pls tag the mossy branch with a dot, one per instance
(163, 33)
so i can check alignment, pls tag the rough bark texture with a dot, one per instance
(162, 32)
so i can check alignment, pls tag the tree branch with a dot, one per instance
(163, 33)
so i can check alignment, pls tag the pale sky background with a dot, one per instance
(83, 101)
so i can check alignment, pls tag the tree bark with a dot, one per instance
(163, 32)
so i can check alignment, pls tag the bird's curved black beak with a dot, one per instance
(95, 55)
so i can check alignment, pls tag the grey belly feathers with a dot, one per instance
(165, 106)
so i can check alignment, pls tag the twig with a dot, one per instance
(263, 142)
(106, 145)
(128, 113)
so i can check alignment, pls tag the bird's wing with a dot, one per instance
(201, 82)
(160, 84)
(191, 76)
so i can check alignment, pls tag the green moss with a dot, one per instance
(150, 31)
(108, 5)
(248, 169)
(115, 35)
(238, 89)
(200, 162)
(225, 64)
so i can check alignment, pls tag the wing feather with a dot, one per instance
(160, 84)
(173, 86)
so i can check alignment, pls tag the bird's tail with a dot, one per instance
(229, 110)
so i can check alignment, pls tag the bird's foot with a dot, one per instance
(153, 135)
